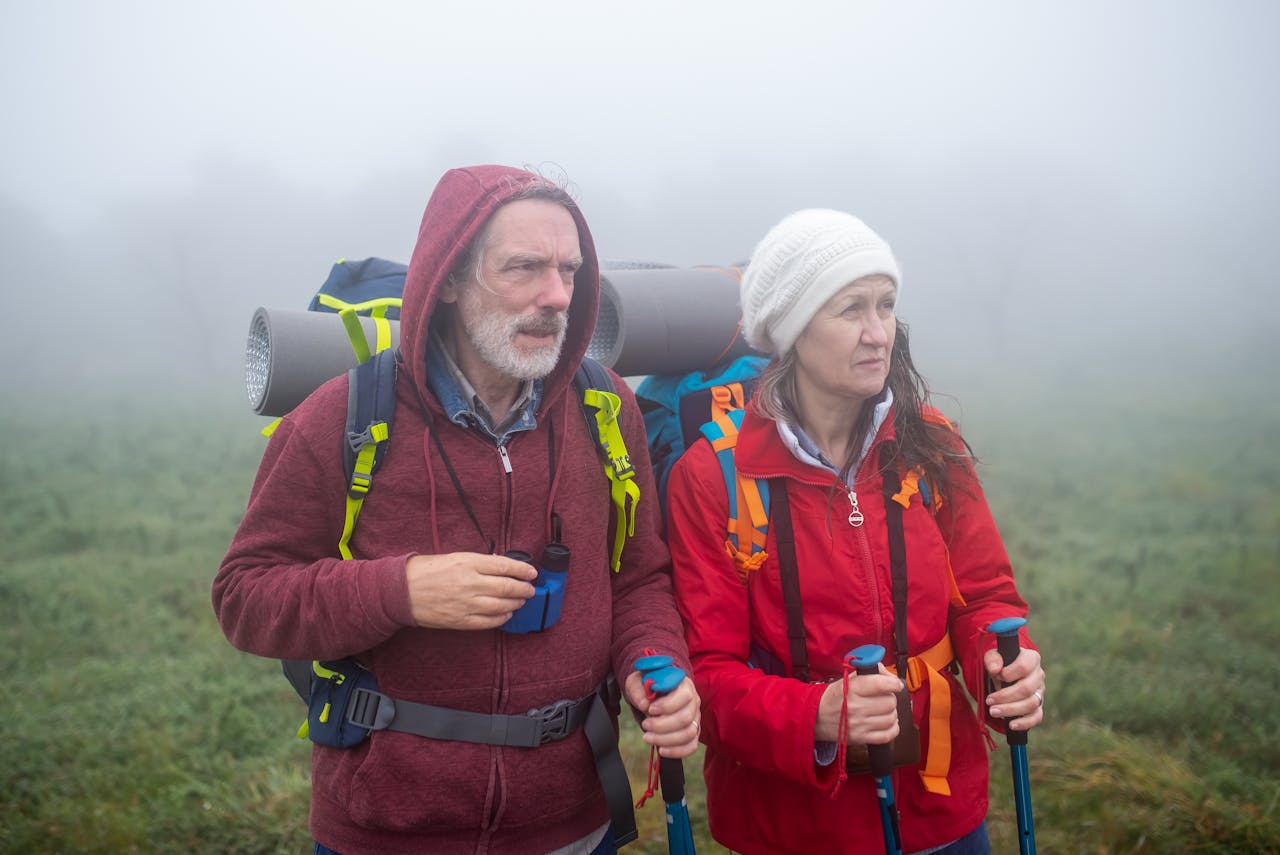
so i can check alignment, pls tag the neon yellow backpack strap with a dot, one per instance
(361, 478)
(624, 492)
(350, 312)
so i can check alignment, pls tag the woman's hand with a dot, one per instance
(1021, 700)
(673, 721)
(872, 711)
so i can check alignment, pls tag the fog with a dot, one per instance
(1081, 193)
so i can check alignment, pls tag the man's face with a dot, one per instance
(514, 313)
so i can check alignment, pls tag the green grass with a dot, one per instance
(1146, 534)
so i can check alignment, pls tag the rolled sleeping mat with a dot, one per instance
(650, 321)
(667, 320)
(290, 352)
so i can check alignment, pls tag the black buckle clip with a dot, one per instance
(554, 721)
(370, 710)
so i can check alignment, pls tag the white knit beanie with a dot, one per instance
(799, 265)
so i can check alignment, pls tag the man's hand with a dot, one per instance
(671, 722)
(467, 590)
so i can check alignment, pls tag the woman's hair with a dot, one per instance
(920, 441)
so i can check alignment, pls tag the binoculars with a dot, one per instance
(542, 610)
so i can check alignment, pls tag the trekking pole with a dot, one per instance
(866, 659)
(661, 676)
(1006, 630)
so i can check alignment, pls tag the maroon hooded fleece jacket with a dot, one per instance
(282, 591)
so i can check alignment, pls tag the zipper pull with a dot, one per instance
(855, 515)
(506, 461)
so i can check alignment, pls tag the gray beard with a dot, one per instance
(493, 337)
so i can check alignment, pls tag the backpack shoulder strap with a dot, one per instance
(748, 523)
(601, 406)
(789, 572)
(371, 407)
(892, 486)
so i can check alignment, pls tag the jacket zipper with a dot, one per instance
(505, 528)
(504, 531)
(855, 515)
(868, 564)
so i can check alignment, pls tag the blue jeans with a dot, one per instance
(973, 843)
(606, 846)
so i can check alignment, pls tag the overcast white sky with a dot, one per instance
(108, 100)
(1014, 140)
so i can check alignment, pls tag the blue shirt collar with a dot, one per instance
(463, 406)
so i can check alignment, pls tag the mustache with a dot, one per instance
(548, 322)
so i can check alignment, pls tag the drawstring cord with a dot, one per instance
(842, 737)
(651, 777)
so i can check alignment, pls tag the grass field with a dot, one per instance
(1146, 533)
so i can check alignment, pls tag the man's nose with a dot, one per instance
(555, 291)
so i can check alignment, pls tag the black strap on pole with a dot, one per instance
(789, 570)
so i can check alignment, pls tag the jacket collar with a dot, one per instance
(768, 449)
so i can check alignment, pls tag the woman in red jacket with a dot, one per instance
(839, 418)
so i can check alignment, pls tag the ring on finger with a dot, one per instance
(1039, 697)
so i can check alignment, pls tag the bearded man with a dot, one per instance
(490, 454)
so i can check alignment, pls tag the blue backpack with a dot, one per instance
(676, 406)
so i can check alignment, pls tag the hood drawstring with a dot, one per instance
(431, 492)
(555, 455)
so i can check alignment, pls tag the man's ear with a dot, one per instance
(448, 291)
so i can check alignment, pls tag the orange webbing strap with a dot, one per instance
(725, 399)
(931, 664)
(748, 523)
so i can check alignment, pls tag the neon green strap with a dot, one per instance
(622, 484)
(271, 428)
(349, 313)
(370, 306)
(383, 328)
(355, 332)
(366, 446)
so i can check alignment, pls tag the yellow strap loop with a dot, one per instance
(383, 328)
(349, 526)
(382, 303)
(623, 489)
(355, 332)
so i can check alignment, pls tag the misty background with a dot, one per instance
(1082, 195)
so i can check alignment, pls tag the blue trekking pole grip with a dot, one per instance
(1006, 630)
(866, 660)
(661, 676)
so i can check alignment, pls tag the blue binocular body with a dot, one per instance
(542, 610)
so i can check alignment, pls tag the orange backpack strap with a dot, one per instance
(929, 666)
(748, 524)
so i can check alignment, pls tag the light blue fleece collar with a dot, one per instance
(807, 452)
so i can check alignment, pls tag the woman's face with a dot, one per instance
(844, 351)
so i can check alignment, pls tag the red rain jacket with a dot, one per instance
(765, 793)
(283, 592)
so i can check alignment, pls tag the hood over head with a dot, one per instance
(464, 200)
